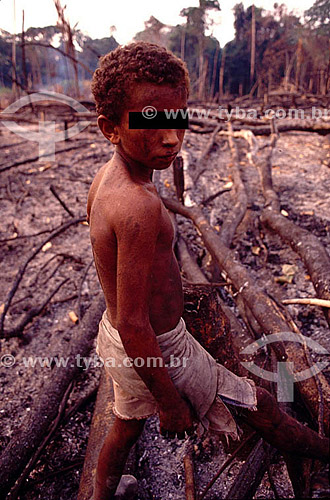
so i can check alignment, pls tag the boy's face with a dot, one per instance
(153, 148)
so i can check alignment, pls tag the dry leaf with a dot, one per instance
(285, 213)
(74, 318)
(289, 269)
(307, 212)
(284, 279)
(46, 246)
(256, 250)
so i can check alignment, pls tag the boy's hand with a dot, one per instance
(176, 420)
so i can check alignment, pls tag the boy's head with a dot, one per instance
(120, 70)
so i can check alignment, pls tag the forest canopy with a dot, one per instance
(271, 50)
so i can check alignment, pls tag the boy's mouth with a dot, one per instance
(168, 156)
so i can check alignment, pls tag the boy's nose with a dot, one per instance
(170, 138)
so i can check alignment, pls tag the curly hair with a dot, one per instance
(137, 62)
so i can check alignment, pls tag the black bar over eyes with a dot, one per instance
(161, 120)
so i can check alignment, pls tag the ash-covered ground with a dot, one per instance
(301, 177)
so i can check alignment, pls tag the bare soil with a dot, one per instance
(302, 179)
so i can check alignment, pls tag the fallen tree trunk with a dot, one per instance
(252, 471)
(262, 307)
(308, 125)
(103, 418)
(240, 338)
(19, 450)
(236, 214)
(304, 243)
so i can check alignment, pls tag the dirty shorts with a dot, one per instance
(202, 381)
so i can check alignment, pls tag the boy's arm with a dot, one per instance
(136, 238)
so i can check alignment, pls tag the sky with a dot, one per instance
(96, 18)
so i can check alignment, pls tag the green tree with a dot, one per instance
(318, 16)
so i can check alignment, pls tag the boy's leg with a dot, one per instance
(113, 455)
(284, 432)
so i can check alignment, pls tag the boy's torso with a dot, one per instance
(111, 189)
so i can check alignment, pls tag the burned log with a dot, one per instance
(252, 471)
(261, 128)
(303, 242)
(26, 439)
(262, 307)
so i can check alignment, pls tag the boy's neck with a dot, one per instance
(137, 170)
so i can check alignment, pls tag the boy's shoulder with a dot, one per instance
(118, 206)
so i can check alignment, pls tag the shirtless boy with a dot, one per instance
(132, 239)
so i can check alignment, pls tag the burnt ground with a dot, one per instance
(302, 179)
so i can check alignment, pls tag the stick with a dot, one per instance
(57, 196)
(33, 312)
(81, 285)
(23, 267)
(261, 305)
(15, 491)
(225, 465)
(189, 476)
(36, 423)
(310, 301)
(36, 158)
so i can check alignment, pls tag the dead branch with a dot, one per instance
(45, 409)
(23, 267)
(304, 243)
(235, 217)
(33, 312)
(214, 196)
(252, 472)
(307, 125)
(189, 477)
(65, 54)
(225, 465)
(81, 285)
(37, 157)
(57, 196)
(13, 495)
(208, 148)
(261, 305)
(178, 177)
(240, 337)
(311, 302)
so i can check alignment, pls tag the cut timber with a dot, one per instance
(263, 309)
(45, 408)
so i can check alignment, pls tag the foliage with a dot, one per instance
(318, 17)
(44, 65)
(290, 53)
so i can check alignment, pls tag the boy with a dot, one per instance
(132, 239)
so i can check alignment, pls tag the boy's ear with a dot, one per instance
(108, 129)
